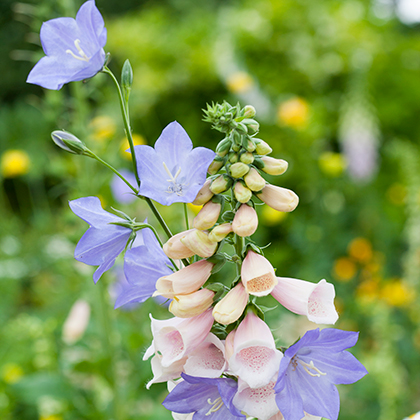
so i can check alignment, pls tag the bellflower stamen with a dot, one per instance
(82, 55)
(311, 365)
(217, 404)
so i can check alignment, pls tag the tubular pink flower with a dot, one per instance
(193, 304)
(255, 359)
(231, 307)
(274, 166)
(163, 374)
(204, 194)
(175, 338)
(230, 339)
(175, 249)
(278, 198)
(199, 243)
(185, 281)
(315, 300)
(220, 232)
(257, 275)
(208, 359)
(245, 222)
(207, 216)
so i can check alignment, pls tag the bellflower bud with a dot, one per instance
(257, 275)
(242, 193)
(274, 166)
(239, 169)
(204, 194)
(175, 249)
(220, 184)
(68, 142)
(231, 307)
(278, 198)
(199, 243)
(247, 158)
(262, 147)
(193, 304)
(207, 216)
(220, 232)
(126, 79)
(254, 181)
(245, 222)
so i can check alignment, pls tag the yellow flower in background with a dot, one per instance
(195, 209)
(51, 417)
(332, 164)
(239, 82)
(361, 250)
(103, 127)
(14, 163)
(11, 373)
(294, 113)
(397, 293)
(344, 269)
(368, 290)
(137, 139)
(272, 217)
(396, 194)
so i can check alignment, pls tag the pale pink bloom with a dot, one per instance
(174, 248)
(220, 232)
(279, 416)
(242, 193)
(207, 216)
(231, 307)
(163, 374)
(204, 194)
(230, 339)
(315, 300)
(207, 360)
(255, 356)
(76, 322)
(278, 198)
(254, 181)
(175, 338)
(257, 275)
(193, 304)
(199, 243)
(185, 281)
(245, 222)
(257, 402)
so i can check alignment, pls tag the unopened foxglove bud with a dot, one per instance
(245, 222)
(250, 145)
(247, 158)
(254, 181)
(199, 243)
(215, 166)
(257, 275)
(242, 193)
(252, 126)
(278, 198)
(249, 111)
(233, 157)
(204, 194)
(223, 147)
(274, 166)
(220, 232)
(175, 249)
(193, 304)
(232, 306)
(220, 184)
(68, 142)
(239, 169)
(262, 147)
(207, 216)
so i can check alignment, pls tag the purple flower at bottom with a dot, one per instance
(103, 241)
(172, 171)
(208, 398)
(73, 48)
(309, 371)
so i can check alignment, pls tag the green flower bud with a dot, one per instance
(233, 157)
(69, 142)
(242, 193)
(252, 126)
(223, 147)
(247, 158)
(239, 169)
(242, 128)
(274, 166)
(236, 147)
(126, 79)
(262, 147)
(220, 184)
(215, 166)
(249, 111)
(250, 146)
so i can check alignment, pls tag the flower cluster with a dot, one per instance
(216, 353)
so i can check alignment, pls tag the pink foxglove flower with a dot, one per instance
(245, 222)
(231, 307)
(257, 275)
(255, 359)
(165, 373)
(193, 304)
(279, 198)
(207, 216)
(199, 243)
(174, 248)
(315, 300)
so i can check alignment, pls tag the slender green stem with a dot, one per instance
(187, 223)
(159, 217)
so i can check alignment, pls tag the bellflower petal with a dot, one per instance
(172, 171)
(309, 371)
(120, 190)
(103, 241)
(73, 48)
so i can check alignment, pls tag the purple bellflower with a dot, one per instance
(144, 264)
(309, 371)
(103, 241)
(120, 190)
(73, 48)
(208, 398)
(172, 171)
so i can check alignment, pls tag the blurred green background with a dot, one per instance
(336, 86)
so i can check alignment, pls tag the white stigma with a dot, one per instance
(82, 55)
(217, 404)
(176, 187)
(310, 366)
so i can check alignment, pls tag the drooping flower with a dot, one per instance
(73, 48)
(103, 241)
(231, 307)
(144, 264)
(208, 398)
(192, 304)
(172, 171)
(310, 369)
